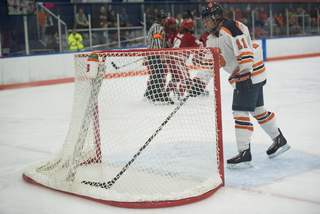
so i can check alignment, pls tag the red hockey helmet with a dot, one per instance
(187, 23)
(171, 20)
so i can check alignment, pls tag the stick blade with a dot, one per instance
(97, 184)
(114, 65)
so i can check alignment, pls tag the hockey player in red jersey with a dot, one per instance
(185, 38)
(243, 60)
(171, 31)
(203, 38)
(179, 70)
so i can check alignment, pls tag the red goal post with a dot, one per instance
(152, 155)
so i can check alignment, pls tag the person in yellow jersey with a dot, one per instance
(75, 41)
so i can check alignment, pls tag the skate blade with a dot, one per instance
(157, 103)
(281, 150)
(242, 165)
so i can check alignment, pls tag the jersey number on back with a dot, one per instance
(176, 41)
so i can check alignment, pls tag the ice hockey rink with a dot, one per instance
(34, 122)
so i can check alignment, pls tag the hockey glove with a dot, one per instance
(243, 82)
(195, 87)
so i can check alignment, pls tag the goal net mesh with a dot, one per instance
(123, 146)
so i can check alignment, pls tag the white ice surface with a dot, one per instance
(34, 122)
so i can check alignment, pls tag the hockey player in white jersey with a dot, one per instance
(242, 59)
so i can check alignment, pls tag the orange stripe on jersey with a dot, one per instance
(258, 72)
(250, 128)
(208, 60)
(226, 30)
(261, 115)
(257, 64)
(268, 119)
(157, 35)
(237, 23)
(244, 53)
(242, 118)
(231, 77)
(245, 61)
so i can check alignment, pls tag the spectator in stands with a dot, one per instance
(314, 18)
(271, 21)
(262, 15)
(293, 19)
(112, 19)
(155, 11)
(100, 19)
(238, 14)
(124, 19)
(186, 14)
(279, 20)
(295, 28)
(112, 23)
(179, 21)
(149, 19)
(80, 20)
(247, 15)
(53, 42)
(194, 14)
(75, 41)
(257, 21)
(231, 13)
(258, 33)
(256, 12)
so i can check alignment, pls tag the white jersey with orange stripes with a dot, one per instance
(238, 54)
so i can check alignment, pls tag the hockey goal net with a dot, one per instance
(125, 150)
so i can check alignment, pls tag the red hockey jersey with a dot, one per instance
(170, 36)
(186, 40)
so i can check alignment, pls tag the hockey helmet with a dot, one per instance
(171, 20)
(212, 11)
(187, 24)
(160, 15)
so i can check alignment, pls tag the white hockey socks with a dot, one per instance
(243, 129)
(267, 121)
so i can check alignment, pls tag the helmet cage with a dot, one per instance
(214, 12)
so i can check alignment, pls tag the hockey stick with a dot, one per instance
(108, 185)
(116, 67)
(190, 14)
(93, 98)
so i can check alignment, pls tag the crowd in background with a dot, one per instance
(278, 21)
(107, 19)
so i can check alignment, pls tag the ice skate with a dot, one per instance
(278, 146)
(205, 93)
(161, 99)
(241, 161)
